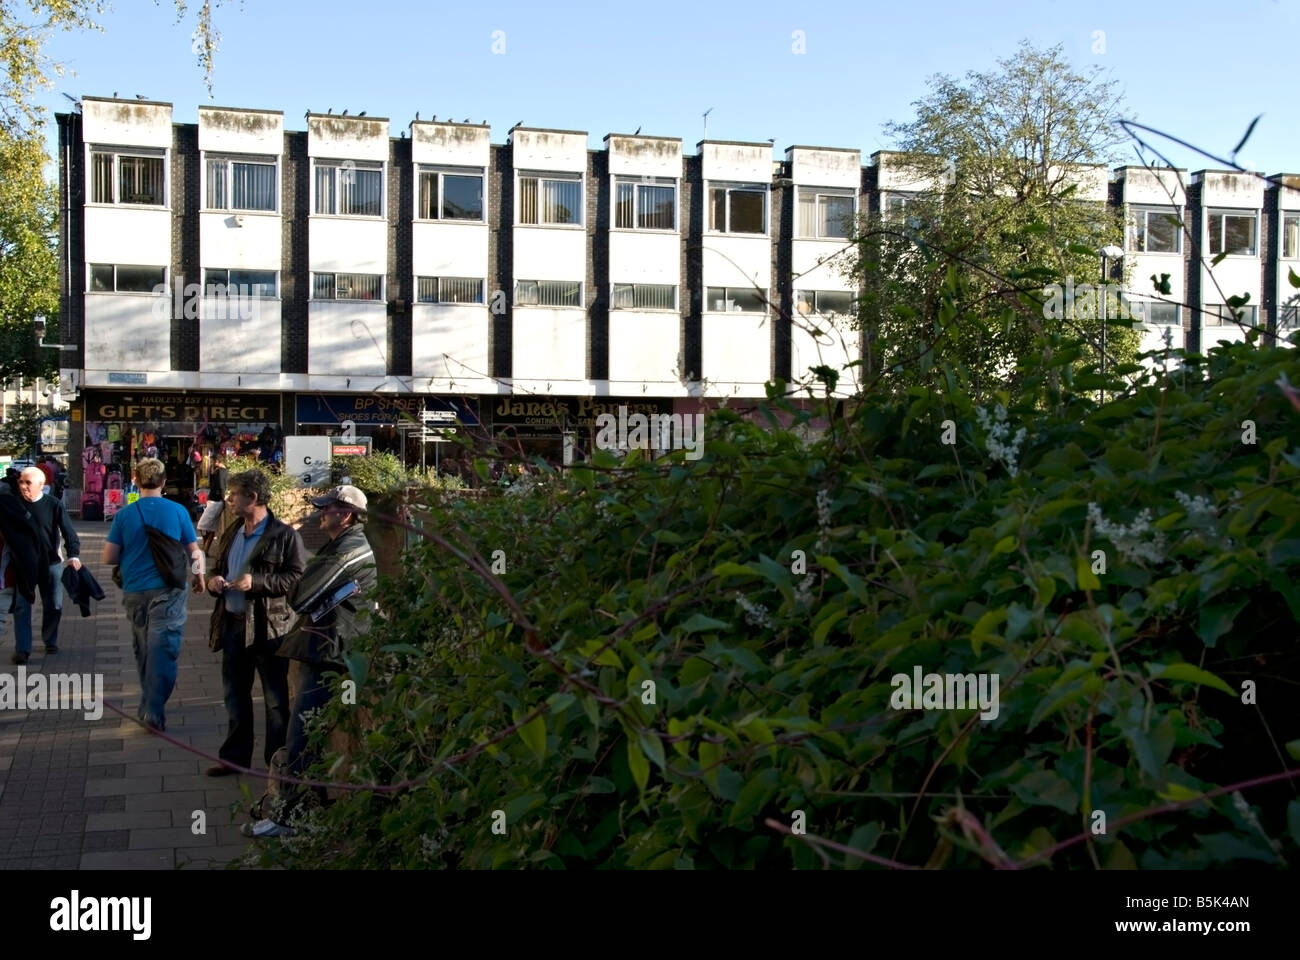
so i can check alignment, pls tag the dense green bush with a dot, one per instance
(376, 474)
(519, 698)
(281, 483)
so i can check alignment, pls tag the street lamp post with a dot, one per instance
(1108, 253)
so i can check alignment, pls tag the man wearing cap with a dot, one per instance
(330, 599)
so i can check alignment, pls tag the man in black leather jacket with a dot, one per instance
(260, 560)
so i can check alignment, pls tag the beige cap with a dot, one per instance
(346, 494)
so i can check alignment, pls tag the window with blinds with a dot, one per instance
(824, 215)
(241, 184)
(643, 296)
(550, 200)
(127, 179)
(349, 189)
(347, 286)
(642, 205)
(449, 290)
(548, 293)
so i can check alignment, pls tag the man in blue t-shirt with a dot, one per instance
(157, 612)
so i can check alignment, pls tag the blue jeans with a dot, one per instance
(51, 590)
(157, 620)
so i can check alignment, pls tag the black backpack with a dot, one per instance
(169, 556)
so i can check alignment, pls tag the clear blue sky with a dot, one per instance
(1200, 69)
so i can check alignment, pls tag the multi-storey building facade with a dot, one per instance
(338, 278)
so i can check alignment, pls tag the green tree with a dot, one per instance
(29, 276)
(25, 68)
(998, 158)
(18, 431)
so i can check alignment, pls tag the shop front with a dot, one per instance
(411, 428)
(183, 430)
(561, 430)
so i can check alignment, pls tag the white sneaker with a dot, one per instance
(266, 828)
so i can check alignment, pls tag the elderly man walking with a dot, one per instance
(157, 612)
(53, 524)
(260, 560)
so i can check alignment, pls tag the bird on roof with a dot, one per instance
(307, 114)
(638, 132)
(141, 96)
(114, 94)
(331, 110)
(417, 116)
(771, 139)
(361, 114)
(344, 113)
(466, 120)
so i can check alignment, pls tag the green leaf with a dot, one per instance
(1086, 578)
(637, 764)
(755, 795)
(1047, 788)
(1187, 673)
(1293, 748)
(985, 629)
(1177, 793)
(699, 621)
(653, 747)
(533, 733)
(1005, 545)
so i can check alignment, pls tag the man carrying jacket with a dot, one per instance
(53, 523)
(331, 599)
(261, 559)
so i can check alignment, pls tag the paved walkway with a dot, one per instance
(106, 794)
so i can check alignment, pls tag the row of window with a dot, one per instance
(124, 278)
(1235, 232)
(356, 189)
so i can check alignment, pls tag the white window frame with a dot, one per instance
(117, 153)
(537, 304)
(726, 292)
(265, 160)
(744, 187)
(840, 193)
(226, 270)
(542, 176)
(1224, 212)
(1142, 229)
(339, 165)
(815, 311)
(482, 291)
(441, 171)
(1288, 317)
(636, 183)
(675, 308)
(381, 299)
(1140, 309)
(1218, 310)
(1284, 216)
(166, 280)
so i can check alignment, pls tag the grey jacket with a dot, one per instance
(346, 558)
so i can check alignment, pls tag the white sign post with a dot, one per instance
(307, 460)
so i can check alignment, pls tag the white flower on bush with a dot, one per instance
(756, 614)
(1135, 541)
(997, 429)
(1197, 506)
